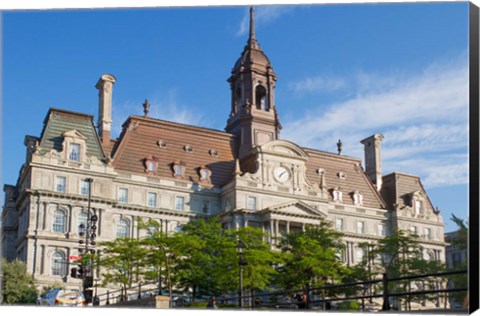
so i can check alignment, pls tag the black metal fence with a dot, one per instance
(377, 294)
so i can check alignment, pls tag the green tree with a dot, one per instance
(310, 257)
(260, 272)
(401, 255)
(460, 242)
(160, 256)
(123, 260)
(18, 286)
(207, 257)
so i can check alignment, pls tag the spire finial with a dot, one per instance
(252, 40)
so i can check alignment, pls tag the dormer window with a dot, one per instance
(204, 174)
(74, 152)
(337, 195)
(417, 206)
(178, 169)
(74, 147)
(151, 164)
(357, 198)
(418, 202)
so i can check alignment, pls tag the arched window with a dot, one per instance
(204, 174)
(58, 221)
(82, 222)
(236, 101)
(122, 228)
(261, 98)
(58, 263)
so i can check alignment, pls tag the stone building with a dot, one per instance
(171, 173)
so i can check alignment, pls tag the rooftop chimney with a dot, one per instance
(104, 125)
(373, 163)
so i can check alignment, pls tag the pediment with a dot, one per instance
(283, 148)
(74, 134)
(295, 208)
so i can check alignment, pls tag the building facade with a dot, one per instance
(170, 172)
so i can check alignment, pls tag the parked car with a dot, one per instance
(61, 297)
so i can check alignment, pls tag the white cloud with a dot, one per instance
(318, 84)
(263, 15)
(423, 116)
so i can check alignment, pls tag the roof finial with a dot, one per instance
(252, 40)
(146, 107)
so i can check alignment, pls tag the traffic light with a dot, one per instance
(80, 272)
(73, 272)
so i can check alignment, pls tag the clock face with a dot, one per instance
(281, 174)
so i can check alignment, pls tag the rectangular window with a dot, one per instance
(178, 170)
(58, 221)
(206, 207)
(413, 230)
(252, 203)
(61, 184)
(428, 233)
(179, 203)
(152, 199)
(123, 195)
(339, 224)
(381, 230)
(151, 166)
(360, 227)
(418, 207)
(74, 152)
(84, 187)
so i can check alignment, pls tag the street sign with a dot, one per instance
(74, 258)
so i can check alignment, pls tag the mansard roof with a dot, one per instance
(174, 143)
(398, 189)
(58, 122)
(345, 173)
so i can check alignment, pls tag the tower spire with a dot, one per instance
(252, 41)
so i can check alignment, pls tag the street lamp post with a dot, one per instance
(90, 235)
(241, 262)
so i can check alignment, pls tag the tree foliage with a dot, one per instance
(400, 255)
(18, 286)
(310, 257)
(460, 242)
(123, 260)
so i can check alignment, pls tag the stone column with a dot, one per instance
(99, 221)
(288, 227)
(347, 253)
(271, 231)
(277, 231)
(70, 218)
(44, 215)
(42, 259)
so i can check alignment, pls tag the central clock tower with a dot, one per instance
(253, 115)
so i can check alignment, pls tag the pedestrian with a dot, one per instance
(305, 301)
(300, 301)
(212, 303)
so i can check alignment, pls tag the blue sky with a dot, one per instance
(346, 71)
